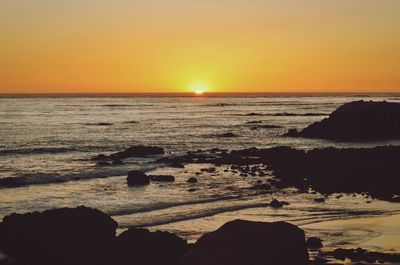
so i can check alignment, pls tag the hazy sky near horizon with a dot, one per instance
(215, 45)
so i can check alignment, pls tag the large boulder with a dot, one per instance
(140, 246)
(252, 243)
(137, 178)
(358, 120)
(63, 236)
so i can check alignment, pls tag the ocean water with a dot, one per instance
(46, 143)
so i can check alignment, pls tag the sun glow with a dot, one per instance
(199, 88)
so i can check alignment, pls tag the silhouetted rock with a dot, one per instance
(103, 164)
(140, 246)
(117, 162)
(227, 135)
(192, 180)
(254, 114)
(244, 242)
(372, 171)
(138, 151)
(62, 236)
(358, 120)
(137, 178)
(162, 178)
(265, 127)
(134, 151)
(359, 254)
(100, 157)
(262, 186)
(314, 242)
(11, 182)
(254, 122)
(319, 199)
(276, 204)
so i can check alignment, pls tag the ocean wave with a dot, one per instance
(163, 206)
(37, 150)
(46, 178)
(193, 215)
(288, 114)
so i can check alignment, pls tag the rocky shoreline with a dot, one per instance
(369, 171)
(87, 236)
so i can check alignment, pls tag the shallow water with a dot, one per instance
(48, 140)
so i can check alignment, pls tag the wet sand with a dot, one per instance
(378, 233)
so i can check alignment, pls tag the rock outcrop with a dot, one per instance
(140, 246)
(244, 242)
(358, 120)
(65, 236)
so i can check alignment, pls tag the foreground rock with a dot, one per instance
(244, 242)
(63, 236)
(140, 246)
(359, 120)
(137, 178)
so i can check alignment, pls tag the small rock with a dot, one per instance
(276, 204)
(103, 164)
(137, 178)
(319, 199)
(162, 178)
(314, 242)
(192, 180)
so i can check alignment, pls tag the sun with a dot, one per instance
(199, 88)
(199, 92)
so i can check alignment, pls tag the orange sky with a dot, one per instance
(218, 45)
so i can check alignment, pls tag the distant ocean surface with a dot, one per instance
(45, 140)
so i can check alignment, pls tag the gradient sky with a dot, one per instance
(220, 45)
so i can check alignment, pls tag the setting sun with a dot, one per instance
(199, 88)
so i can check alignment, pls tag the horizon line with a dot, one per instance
(181, 94)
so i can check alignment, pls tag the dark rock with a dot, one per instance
(262, 186)
(12, 182)
(192, 190)
(358, 120)
(254, 114)
(103, 164)
(140, 246)
(227, 135)
(192, 180)
(373, 171)
(100, 157)
(177, 165)
(253, 122)
(138, 151)
(314, 242)
(276, 204)
(244, 242)
(265, 127)
(117, 162)
(137, 178)
(359, 254)
(162, 178)
(134, 151)
(319, 199)
(62, 236)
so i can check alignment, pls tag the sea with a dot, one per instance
(47, 143)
